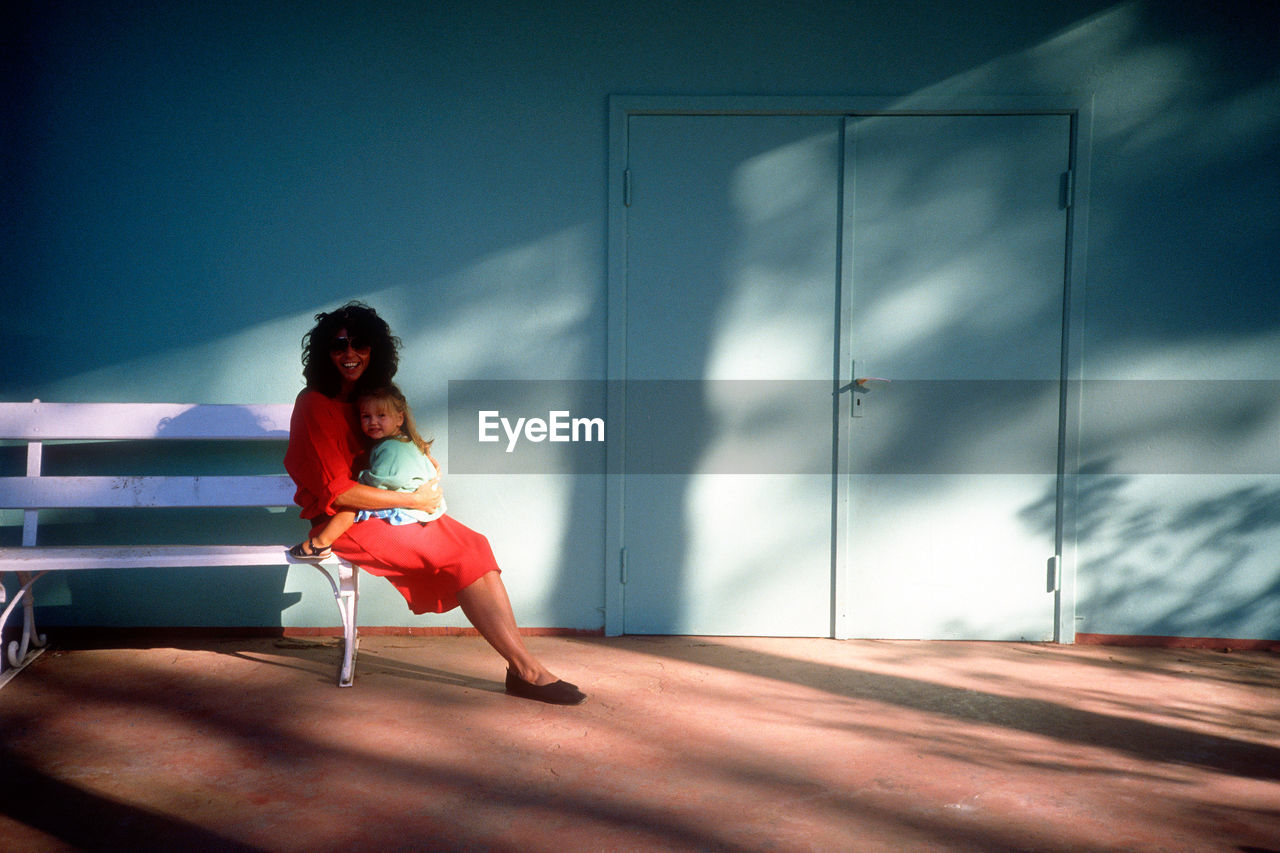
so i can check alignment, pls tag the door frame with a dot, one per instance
(1079, 107)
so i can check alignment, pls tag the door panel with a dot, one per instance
(956, 236)
(951, 238)
(731, 280)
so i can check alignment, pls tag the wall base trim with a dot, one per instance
(86, 637)
(436, 631)
(1214, 643)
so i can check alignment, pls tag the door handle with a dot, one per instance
(859, 387)
(863, 385)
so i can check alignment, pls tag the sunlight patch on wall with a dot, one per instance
(1214, 355)
(770, 189)
(523, 313)
(774, 322)
(526, 518)
(747, 535)
(936, 541)
(771, 326)
(914, 311)
(526, 312)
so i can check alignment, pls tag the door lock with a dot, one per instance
(860, 388)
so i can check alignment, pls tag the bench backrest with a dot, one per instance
(37, 422)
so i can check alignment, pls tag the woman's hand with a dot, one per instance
(428, 497)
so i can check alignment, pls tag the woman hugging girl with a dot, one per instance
(399, 461)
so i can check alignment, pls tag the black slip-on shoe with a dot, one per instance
(556, 693)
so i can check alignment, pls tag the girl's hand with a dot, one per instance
(428, 497)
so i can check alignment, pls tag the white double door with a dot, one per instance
(768, 259)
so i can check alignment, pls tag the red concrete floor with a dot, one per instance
(684, 744)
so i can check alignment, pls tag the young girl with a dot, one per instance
(400, 461)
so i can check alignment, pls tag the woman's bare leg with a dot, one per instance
(486, 604)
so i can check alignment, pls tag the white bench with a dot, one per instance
(36, 423)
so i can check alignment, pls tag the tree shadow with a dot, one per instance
(260, 723)
(1173, 555)
(1137, 738)
(396, 759)
(91, 821)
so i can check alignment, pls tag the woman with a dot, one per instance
(435, 566)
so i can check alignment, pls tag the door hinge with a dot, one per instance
(1068, 188)
(1053, 578)
(622, 565)
(626, 188)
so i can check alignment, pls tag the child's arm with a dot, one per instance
(396, 465)
(332, 529)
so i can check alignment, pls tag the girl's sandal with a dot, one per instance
(305, 550)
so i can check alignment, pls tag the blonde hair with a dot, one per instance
(390, 395)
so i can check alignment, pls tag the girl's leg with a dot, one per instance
(317, 546)
(339, 524)
(486, 605)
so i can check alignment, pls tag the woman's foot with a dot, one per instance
(307, 550)
(555, 693)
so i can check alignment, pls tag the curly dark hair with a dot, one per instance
(361, 323)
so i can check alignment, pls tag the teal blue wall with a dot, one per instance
(187, 184)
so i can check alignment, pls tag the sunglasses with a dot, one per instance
(338, 345)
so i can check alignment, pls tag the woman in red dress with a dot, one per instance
(436, 565)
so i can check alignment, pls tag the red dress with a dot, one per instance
(428, 562)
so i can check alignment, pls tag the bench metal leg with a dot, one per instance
(348, 594)
(346, 591)
(21, 652)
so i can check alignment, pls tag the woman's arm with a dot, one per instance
(322, 447)
(359, 496)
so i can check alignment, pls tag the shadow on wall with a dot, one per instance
(1176, 509)
(1185, 169)
(1177, 502)
(526, 313)
(1188, 150)
(214, 171)
(1180, 555)
(270, 154)
(730, 298)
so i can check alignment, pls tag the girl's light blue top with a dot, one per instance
(399, 466)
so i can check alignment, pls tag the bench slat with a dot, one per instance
(37, 422)
(145, 492)
(52, 421)
(150, 556)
